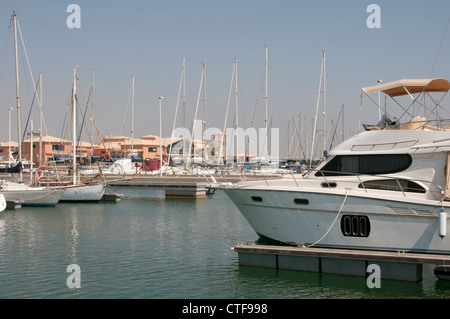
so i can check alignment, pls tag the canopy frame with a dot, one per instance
(409, 87)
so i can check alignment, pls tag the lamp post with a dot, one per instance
(160, 138)
(9, 136)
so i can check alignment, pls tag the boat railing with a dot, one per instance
(241, 171)
(440, 124)
(331, 178)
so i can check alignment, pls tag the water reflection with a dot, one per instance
(149, 247)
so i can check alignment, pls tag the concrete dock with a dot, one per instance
(177, 186)
(399, 265)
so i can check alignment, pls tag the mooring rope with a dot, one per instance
(339, 212)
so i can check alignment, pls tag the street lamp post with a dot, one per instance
(160, 138)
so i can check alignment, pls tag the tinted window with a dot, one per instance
(366, 164)
(301, 201)
(257, 199)
(393, 185)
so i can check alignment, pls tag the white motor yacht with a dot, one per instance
(383, 189)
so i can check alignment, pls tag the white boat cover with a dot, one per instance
(410, 86)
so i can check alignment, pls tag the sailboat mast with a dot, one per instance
(184, 93)
(40, 119)
(343, 137)
(74, 125)
(324, 107)
(288, 141)
(31, 151)
(237, 113)
(204, 97)
(267, 132)
(92, 120)
(19, 128)
(317, 110)
(132, 113)
(184, 104)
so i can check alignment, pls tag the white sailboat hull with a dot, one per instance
(83, 193)
(31, 196)
(377, 222)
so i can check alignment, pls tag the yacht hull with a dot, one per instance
(83, 193)
(34, 197)
(338, 219)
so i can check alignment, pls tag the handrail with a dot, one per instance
(433, 187)
(292, 173)
(399, 185)
(264, 176)
(361, 183)
(326, 181)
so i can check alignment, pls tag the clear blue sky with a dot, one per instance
(149, 38)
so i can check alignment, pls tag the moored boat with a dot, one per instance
(442, 272)
(30, 195)
(384, 189)
(76, 191)
(82, 193)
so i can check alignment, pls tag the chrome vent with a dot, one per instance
(411, 211)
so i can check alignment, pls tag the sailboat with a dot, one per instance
(78, 191)
(18, 191)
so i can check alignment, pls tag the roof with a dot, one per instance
(47, 139)
(57, 140)
(410, 86)
(113, 138)
(154, 139)
(6, 144)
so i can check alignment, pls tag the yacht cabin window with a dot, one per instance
(393, 185)
(366, 164)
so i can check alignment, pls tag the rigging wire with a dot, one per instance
(84, 117)
(226, 117)
(258, 95)
(439, 49)
(29, 114)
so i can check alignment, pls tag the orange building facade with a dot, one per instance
(146, 147)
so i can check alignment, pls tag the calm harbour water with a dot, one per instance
(148, 247)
